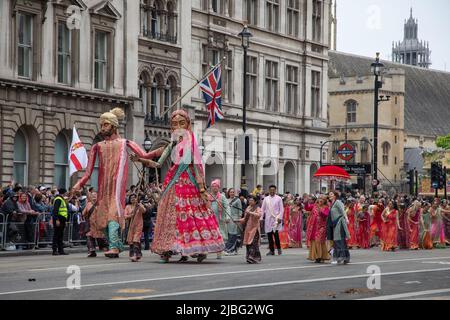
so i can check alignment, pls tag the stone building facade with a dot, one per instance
(62, 64)
(417, 113)
(287, 98)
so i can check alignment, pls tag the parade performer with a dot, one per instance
(219, 204)
(389, 228)
(185, 224)
(94, 235)
(414, 218)
(234, 233)
(337, 230)
(272, 214)
(376, 222)
(350, 212)
(445, 210)
(403, 231)
(437, 226)
(308, 205)
(318, 251)
(425, 234)
(295, 225)
(134, 213)
(363, 223)
(284, 234)
(252, 233)
(112, 177)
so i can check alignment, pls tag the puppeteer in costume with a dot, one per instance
(185, 224)
(112, 157)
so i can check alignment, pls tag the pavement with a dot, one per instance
(403, 275)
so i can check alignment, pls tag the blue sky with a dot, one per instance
(368, 26)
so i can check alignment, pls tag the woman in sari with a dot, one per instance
(403, 232)
(252, 233)
(437, 225)
(234, 233)
(308, 205)
(350, 212)
(389, 228)
(295, 225)
(376, 222)
(185, 224)
(445, 210)
(414, 218)
(318, 251)
(425, 235)
(284, 234)
(337, 230)
(363, 223)
(133, 213)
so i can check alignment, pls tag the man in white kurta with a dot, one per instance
(272, 214)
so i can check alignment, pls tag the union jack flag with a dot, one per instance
(212, 93)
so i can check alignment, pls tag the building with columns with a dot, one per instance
(287, 88)
(63, 63)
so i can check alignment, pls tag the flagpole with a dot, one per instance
(193, 87)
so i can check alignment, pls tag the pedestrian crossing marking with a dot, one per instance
(135, 291)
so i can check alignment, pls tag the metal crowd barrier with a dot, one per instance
(19, 233)
(2, 231)
(77, 231)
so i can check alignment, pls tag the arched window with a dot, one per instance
(157, 96)
(144, 85)
(172, 22)
(386, 150)
(351, 111)
(61, 177)
(20, 174)
(365, 150)
(169, 93)
(145, 17)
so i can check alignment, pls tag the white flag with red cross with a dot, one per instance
(78, 159)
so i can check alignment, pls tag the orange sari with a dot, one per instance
(389, 232)
(284, 235)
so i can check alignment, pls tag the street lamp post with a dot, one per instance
(245, 36)
(147, 147)
(377, 68)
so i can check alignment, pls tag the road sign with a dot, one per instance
(346, 152)
(356, 169)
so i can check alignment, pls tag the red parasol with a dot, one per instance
(332, 173)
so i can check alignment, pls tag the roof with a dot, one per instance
(414, 159)
(427, 92)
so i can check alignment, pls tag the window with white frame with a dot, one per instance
(291, 89)
(293, 17)
(252, 80)
(271, 87)
(25, 45)
(315, 94)
(20, 173)
(351, 111)
(273, 15)
(317, 20)
(64, 53)
(251, 11)
(61, 177)
(101, 60)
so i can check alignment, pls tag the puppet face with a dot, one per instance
(179, 122)
(107, 129)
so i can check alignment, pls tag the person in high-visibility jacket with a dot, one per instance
(60, 217)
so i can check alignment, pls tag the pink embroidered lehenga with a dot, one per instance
(185, 224)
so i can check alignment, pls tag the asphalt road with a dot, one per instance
(404, 275)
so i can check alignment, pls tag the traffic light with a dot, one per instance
(435, 175)
(441, 179)
(411, 181)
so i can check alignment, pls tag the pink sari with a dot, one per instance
(295, 228)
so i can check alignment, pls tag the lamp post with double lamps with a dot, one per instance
(377, 69)
(245, 37)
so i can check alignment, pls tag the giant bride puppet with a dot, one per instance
(185, 224)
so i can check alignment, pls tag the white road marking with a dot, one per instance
(274, 284)
(219, 274)
(315, 266)
(413, 282)
(409, 294)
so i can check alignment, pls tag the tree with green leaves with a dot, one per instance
(443, 142)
